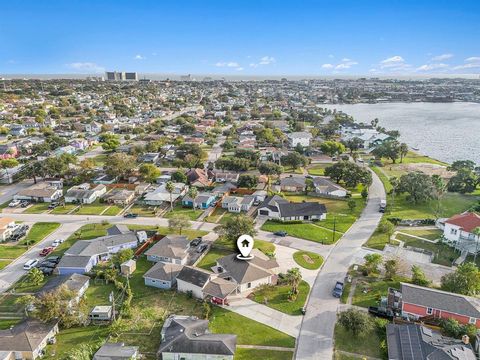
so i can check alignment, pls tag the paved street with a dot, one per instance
(7, 191)
(315, 341)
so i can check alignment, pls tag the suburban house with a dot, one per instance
(199, 177)
(459, 230)
(162, 275)
(8, 151)
(247, 275)
(191, 279)
(160, 195)
(40, 192)
(325, 186)
(223, 189)
(414, 341)
(7, 225)
(150, 157)
(418, 302)
(226, 176)
(120, 197)
(237, 204)
(27, 339)
(76, 283)
(116, 351)
(83, 255)
(170, 249)
(84, 194)
(276, 207)
(299, 138)
(189, 338)
(293, 184)
(203, 200)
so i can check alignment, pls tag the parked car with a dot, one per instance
(338, 289)
(46, 263)
(46, 270)
(53, 205)
(218, 301)
(383, 206)
(53, 258)
(14, 203)
(30, 264)
(57, 242)
(24, 204)
(130, 215)
(202, 248)
(195, 242)
(46, 251)
(280, 233)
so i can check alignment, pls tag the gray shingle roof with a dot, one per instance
(301, 209)
(442, 300)
(25, 336)
(191, 336)
(74, 261)
(73, 282)
(115, 351)
(162, 271)
(194, 276)
(172, 246)
(247, 271)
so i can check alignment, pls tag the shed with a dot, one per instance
(103, 312)
(128, 267)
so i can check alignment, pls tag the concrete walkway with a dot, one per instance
(286, 323)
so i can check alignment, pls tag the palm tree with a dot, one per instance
(294, 277)
(170, 187)
(193, 193)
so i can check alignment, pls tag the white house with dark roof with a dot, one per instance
(325, 186)
(162, 275)
(299, 138)
(276, 207)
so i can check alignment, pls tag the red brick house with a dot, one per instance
(418, 301)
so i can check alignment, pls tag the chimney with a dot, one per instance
(465, 339)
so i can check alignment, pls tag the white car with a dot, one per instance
(14, 203)
(30, 264)
(57, 242)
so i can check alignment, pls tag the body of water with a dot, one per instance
(444, 131)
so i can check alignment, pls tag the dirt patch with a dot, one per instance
(308, 259)
(429, 169)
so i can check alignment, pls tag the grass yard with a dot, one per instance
(37, 208)
(308, 260)
(5, 324)
(11, 251)
(141, 210)
(317, 169)
(210, 259)
(113, 210)
(264, 246)
(38, 232)
(179, 209)
(100, 160)
(95, 208)
(215, 215)
(378, 240)
(430, 234)
(4, 263)
(276, 297)
(367, 343)
(369, 290)
(64, 209)
(248, 354)
(307, 231)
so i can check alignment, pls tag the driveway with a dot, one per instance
(14, 271)
(288, 324)
(316, 334)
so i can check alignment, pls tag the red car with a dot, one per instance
(218, 301)
(46, 251)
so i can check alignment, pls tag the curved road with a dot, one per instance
(315, 341)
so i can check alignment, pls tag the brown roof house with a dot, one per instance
(199, 177)
(119, 197)
(27, 339)
(40, 192)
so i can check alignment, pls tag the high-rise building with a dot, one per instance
(121, 76)
(131, 76)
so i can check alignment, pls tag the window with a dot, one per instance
(429, 311)
(472, 320)
(453, 231)
(249, 285)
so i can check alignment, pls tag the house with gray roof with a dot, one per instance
(162, 275)
(293, 184)
(85, 254)
(325, 186)
(185, 337)
(194, 280)
(247, 275)
(276, 207)
(417, 342)
(84, 194)
(76, 283)
(116, 351)
(170, 249)
(27, 339)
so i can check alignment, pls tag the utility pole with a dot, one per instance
(334, 229)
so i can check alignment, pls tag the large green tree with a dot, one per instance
(418, 186)
(120, 165)
(236, 226)
(464, 280)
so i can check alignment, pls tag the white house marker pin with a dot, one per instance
(245, 246)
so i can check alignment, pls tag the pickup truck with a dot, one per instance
(338, 289)
(381, 312)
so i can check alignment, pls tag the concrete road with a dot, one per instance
(14, 271)
(216, 150)
(315, 341)
(7, 191)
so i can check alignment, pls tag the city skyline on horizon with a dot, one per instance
(250, 39)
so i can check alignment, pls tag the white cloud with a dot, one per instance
(231, 64)
(139, 57)
(86, 67)
(470, 63)
(239, 68)
(266, 60)
(429, 67)
(394, 61)
(442, 57)
(327, 66)
(473, 59)
(345, 64)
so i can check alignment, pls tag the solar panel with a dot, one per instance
(410, 343)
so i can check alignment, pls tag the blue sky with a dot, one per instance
(297, 37)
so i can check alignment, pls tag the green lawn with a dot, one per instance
(308, 260)
(100, 160)
(5, 324)
(367, 343)
(430, 234)
(179, 209)
(11, 251)
(141, 210)
(4, 263)
(413, 157)
(264, 246)
(39, 231)
(378, 240)
(307, 231)
(369, 290)
(95, 208)
(36, 208)
(215, 215)
(249, 354)
(210, 259)
(317, 169)
(64, 209)
(276, 297)
(113, 210)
